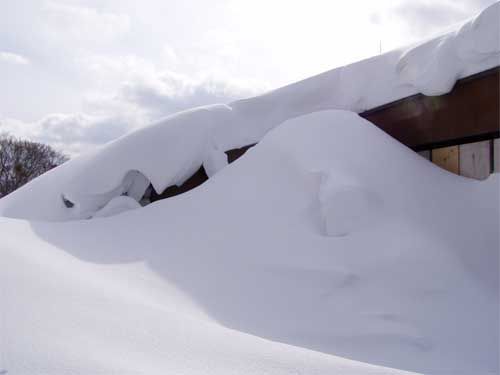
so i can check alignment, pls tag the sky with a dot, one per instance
(77, 74)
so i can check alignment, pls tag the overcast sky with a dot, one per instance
(78, 73)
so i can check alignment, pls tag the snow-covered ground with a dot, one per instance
(328, 248)
(266, 269)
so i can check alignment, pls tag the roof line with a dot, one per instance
(419, 95)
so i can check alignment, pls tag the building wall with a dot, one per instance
(469, 113)
(475, 160)
(458, 131)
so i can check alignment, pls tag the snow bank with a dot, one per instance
(170, 151)
(238, 276)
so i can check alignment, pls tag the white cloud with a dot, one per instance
(140, 100)
(69, 133)
(168, 92)
(13, 58)
(156, 92)
(427, 17)
(83, 24)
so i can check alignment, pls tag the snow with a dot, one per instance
(328, 248)
(346, 207)
(215, 161)
(117, 205)
(434, 66)
(238, 276)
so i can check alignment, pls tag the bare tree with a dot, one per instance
(22, 161)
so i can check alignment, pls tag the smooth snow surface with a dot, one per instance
(238, 276)
(346, 207)
(170, 151)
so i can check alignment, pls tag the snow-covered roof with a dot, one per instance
(430, 67)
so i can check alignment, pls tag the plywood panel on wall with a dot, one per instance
(475, 160)
(447, 158)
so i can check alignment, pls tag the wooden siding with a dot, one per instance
(447, 158)
(475, 160)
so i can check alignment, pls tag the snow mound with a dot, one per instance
(238, 276)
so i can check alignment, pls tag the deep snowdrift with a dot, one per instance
(404, 276)
(170, 151)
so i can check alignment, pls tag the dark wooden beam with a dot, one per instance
(469, 113)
